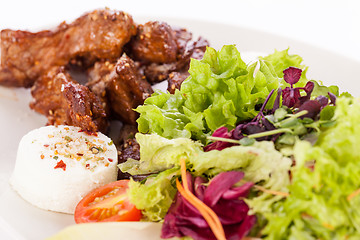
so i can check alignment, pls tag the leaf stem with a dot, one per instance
(269, 133)
(296, 115)
(223, 139)
(291, 117)
(255, 135)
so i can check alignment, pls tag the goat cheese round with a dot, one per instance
(56, 166)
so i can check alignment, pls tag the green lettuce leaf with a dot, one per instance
(323, 90)
(261, 163)
(158, 154)
(154, 197)
(280, 60)
(319, 204)
(220, 91)
(163, 114)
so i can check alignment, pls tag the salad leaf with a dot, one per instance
(258, 161)
(323, 199)
(320, 90)
(163, 113)
(292, 96)
(261, 163)
(281, 60)
(220, 195)
(155, 196)
(158, 154)
(292, 75)
(220, 91)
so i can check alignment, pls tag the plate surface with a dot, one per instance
(20, 220)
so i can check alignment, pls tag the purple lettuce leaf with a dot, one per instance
(292, 75)
(237, 192)
(183, 219)
(199, 187)
(222, 132)
(323, 101)
(230, 211)
(312, 107)
(239, 231)
(258, 124)
(292, 96)
(332, 98)
(219, 185)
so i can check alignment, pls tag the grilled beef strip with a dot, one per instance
(161, 49)
(121, 86)
(65, 102)
(100, 34)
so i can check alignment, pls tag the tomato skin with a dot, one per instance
(108, 203)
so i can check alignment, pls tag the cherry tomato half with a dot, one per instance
(109, 203)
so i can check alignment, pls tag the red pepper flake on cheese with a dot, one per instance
(89, 132)
(72, 144)
(60, 164)
(54, 161)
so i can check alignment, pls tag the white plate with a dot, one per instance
(21, 220)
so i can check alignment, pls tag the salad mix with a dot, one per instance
(255, 150)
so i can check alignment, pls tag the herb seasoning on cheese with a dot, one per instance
(57, 165)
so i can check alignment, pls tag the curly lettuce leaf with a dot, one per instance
(220, 91)
(162, 113)
(154, 197)
(158, 154)
(258, 161)
(261, 163)
(319, 204)
(281, 60)
(320, 90)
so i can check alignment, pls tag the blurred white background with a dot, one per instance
(332, 25)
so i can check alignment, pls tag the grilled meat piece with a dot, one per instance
(156, 73)
(65, 102)
(161, 49)
(129, 149)
(121, 86)
(175, 80)
(98, 77)
(100, 34)
(127, 132)
(154, 43)
(84, 108)
(193, 49)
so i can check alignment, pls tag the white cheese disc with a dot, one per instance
(56, 166)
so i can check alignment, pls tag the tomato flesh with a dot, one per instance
(109, 203)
